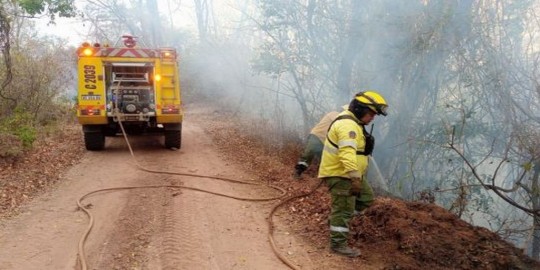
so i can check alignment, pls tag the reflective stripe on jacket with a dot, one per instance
(349, 137)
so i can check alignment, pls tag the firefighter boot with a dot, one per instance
(346, 251)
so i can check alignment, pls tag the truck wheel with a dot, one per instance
(94, 141)
(173, 139)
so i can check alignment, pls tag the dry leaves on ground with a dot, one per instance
(39, 168)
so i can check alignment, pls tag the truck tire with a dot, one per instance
(173, 138)
(94, 141)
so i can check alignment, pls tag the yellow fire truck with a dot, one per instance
(137, 88)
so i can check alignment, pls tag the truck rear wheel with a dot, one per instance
(173, 138)
(94, 141)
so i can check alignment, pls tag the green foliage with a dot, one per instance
(527, 166)
(21, 125)
(268, 63)
(27, 135)
(64, 8)
(33, 7)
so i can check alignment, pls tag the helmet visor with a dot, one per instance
(381, 109)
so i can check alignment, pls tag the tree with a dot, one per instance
(205, 20)
(304, 51)
(11, 9)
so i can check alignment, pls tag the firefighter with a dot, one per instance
(315, 143)
(344, 165)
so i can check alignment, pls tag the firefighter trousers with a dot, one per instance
(343, 206)
(312, 150)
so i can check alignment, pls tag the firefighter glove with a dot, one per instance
(356, 182)
(299, 169)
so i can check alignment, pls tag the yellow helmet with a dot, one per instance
(373, 101)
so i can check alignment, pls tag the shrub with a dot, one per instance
(27, 135)
(10, 146)
(21, 125)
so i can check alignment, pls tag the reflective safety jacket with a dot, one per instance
(343, 149)
(321, 128)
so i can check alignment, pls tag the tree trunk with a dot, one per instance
(535, 251)
(154, 25)
(5, 30)
(349, 54)
(201, 10)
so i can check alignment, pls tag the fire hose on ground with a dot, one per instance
(81, 253)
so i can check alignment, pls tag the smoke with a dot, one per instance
(459, 71)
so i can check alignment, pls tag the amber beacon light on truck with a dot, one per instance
(128, 85)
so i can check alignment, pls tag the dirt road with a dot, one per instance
(151, 228)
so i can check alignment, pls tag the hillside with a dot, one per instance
(392, 234)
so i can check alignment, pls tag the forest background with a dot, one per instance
(461, 78)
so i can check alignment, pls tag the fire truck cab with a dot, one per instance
(137, 89)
